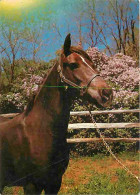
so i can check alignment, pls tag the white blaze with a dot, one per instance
(86, 62)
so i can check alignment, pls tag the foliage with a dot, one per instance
(12, 102)
(21, 90)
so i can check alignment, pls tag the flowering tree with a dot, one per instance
(22, 89)
(30, 84)
(16, 101)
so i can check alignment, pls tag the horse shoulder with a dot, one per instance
(40, 139)
(12, 133)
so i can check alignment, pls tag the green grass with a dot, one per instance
(103, 184)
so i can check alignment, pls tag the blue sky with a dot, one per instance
(49, 12)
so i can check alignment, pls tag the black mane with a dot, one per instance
(30, 105)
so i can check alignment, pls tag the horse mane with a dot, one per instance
(30, 105)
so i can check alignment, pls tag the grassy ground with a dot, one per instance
(97, 175)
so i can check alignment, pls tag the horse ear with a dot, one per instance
(67, 45)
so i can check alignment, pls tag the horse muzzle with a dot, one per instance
(106, 97)
(101, 97)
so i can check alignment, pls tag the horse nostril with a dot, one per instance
(106, 93)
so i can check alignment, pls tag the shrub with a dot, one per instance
(24, 86)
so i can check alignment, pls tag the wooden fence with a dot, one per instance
(98, 125)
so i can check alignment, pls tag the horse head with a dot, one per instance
(78, 70)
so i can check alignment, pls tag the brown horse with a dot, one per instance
(34, 152)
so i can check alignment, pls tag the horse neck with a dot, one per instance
(51, 99)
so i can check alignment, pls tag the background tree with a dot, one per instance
(35, 42)
(9, 50)
(119, 20)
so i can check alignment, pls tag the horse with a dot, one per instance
(34, 153)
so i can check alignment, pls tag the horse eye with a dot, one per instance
(73, 66)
